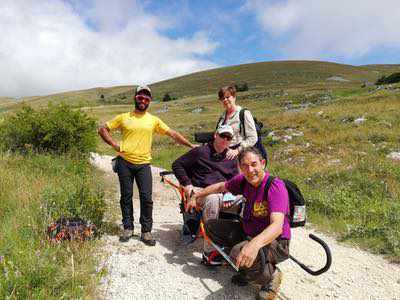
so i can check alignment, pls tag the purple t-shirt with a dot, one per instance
(257, 210)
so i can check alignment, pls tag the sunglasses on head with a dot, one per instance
(225, 136)
(142, 98)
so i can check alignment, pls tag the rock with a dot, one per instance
(299, 133)
(320, 113)
(394, 155)
(360, 120)
(197, 110)
(164, 109)
(287, 138)
(338, 78)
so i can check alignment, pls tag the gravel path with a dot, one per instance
(171, 270)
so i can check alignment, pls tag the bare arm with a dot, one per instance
(180, 139)
(249, 252)
(211, 189)
(104, 132)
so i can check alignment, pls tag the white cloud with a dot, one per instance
(320, 29)
(50, 46)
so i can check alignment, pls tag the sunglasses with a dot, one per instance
(227, 137)
(225, 98)
(142, 98)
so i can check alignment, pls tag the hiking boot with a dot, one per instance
(212, 258)
(148, 239)
(239, 280)
(126, 235)
(270, 291)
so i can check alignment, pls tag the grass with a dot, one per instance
(341, 166)
(30, 266)
(264, 76)
(352, 189)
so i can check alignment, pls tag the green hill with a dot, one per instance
(260, 77)
(268, 76)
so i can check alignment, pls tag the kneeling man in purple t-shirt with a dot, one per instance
(265, 229)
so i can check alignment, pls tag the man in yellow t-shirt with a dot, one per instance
(133, 160)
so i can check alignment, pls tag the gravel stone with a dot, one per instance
(171, 270)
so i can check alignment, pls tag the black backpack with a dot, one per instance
(297, 205)
(259, 125)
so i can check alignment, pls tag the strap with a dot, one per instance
(268, 185)
(219, 120)
(241, 119)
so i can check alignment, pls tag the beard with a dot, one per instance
(143, 107)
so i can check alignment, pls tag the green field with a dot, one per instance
(352, 187)
(311, 133)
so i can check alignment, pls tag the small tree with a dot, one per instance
(167, 97)
(56, 128)
(393, 78)
(241, 87)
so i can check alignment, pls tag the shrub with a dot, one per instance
(241, 87)
(393, 78)
(167, 97)
(57, 129)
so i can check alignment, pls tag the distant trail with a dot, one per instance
(172, 271)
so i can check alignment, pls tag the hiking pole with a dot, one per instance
(218, 248)
(328, 258)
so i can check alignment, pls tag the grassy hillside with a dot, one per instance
(341, 163)
(30, 266)
(352, 187)
(89, 97)
(261, 77)
(267, 76)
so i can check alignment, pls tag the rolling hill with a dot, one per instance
(276, 75)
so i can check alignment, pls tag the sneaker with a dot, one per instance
(212, 258)
(270, 291)
(126, 235)
(148, 239)
(239, 280)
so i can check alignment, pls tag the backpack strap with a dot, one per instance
(241, 119)
(268, 185)
(219, 120)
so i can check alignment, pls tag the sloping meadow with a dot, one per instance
(335, 144)
(36, 188)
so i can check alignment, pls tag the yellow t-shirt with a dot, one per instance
(137, 135)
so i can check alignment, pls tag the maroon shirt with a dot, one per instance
(203, 166)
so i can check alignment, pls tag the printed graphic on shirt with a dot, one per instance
(260, 209)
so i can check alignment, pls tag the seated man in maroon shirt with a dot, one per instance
(203, 166)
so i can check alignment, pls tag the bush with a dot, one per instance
(167, 97)
(393, 78)
(241, 87)
(57, 129)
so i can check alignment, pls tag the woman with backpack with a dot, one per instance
(242, 137)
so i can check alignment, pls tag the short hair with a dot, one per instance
(246, 150)
(225, 89)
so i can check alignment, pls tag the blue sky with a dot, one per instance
(50, 46)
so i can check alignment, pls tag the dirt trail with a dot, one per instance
(171, 270)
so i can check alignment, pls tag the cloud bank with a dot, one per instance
(323, 29)
(51, 46)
